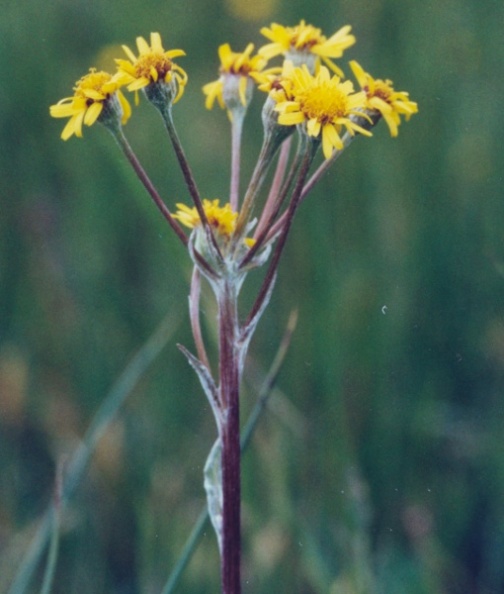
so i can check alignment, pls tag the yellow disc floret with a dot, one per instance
(325, 105)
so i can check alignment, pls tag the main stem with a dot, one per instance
(230, 436)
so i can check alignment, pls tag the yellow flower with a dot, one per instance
(382, 98)
(236, 70)
(325, 105)
(276, 81)
(153, 65)
(306, 44)
(96, 96)
(221, 218)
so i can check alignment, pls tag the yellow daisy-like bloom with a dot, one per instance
(221, 218)
(92, 93)
(325, 105)
(276, 81)
(153, 65)
(236, 70)
(306, 44)
(382, 98)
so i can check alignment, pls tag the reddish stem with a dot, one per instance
(289, 216)
(188, 176)
(149, 186)
(230, 436)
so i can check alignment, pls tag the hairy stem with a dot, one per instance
(290, 212)
(272, 200)
(266, 232)
(236, 135)
(264, 161)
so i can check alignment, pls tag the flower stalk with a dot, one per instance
(128, 152)
(289, 217)
(273, 202)
(269, 147)
(166, 113)
(237, 119)
(267, 230)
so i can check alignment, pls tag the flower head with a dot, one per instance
(153, 66)
(325, 105)
(381, 97)
(96, 97)
(221, 218)
(276, 81)
(234, 85)
(305, 44)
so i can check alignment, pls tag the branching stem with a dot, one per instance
(289, 216)
(149, 186)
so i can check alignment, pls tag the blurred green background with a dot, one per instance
(380, 466)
